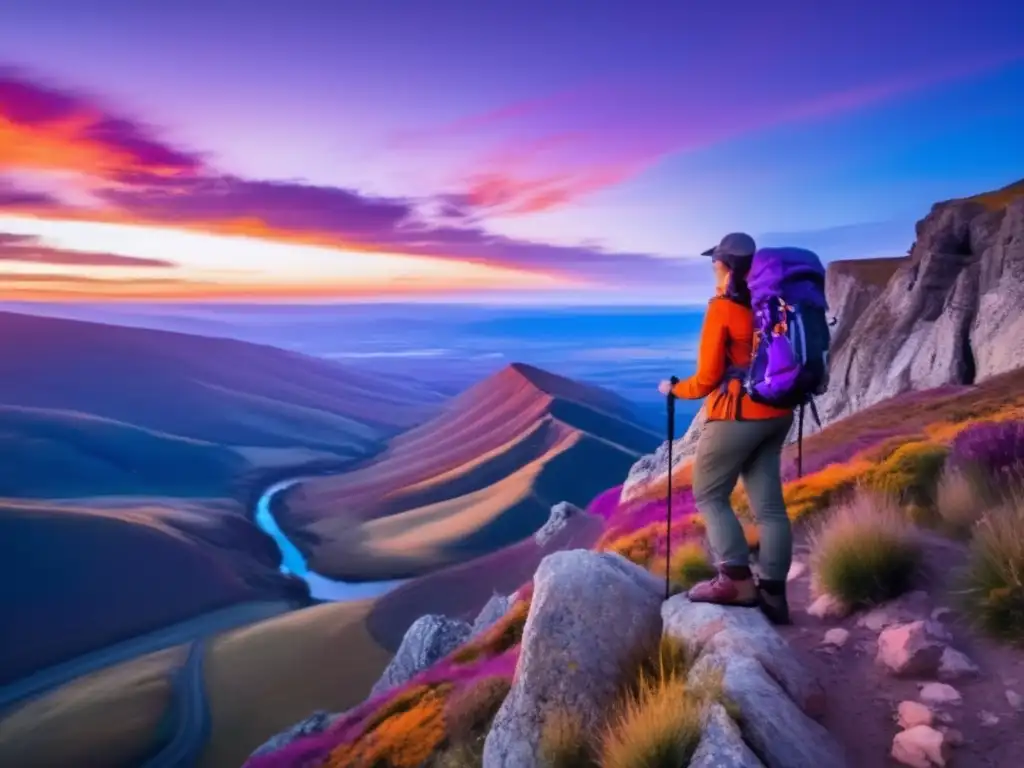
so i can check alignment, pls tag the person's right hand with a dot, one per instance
(665, 387)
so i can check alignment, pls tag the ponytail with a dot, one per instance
(737, 289)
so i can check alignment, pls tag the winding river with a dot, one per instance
(293, 562)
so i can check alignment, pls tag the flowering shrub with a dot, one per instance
(994, 449)
(910, 474)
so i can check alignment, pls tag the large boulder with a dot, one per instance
(590, 616)
(557, 520)
(429, 639)
(771, 723)
(496, 607)
(744, 632)
(721, 743)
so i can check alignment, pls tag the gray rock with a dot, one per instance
(492, 611)
(949, 313)
(774, 727)
(940, 694)
(956, 665)
(1015, 700)
(590, 614)
(430, 638)
(556, 522)
(903, 610)
(652, 469)
(721, 743)
(743, 632)
(909, 650)
(317, 722)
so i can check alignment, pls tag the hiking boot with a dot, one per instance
(723, 590)
(771, 599)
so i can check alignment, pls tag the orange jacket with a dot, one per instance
(725, 340)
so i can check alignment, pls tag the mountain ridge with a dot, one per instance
(505, 444)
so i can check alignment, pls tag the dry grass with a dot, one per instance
(659, 727)
(564, 743)
(659, 719)
(961, 501)
(865, 551)
(994, 577)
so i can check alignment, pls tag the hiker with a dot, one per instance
(744, 434)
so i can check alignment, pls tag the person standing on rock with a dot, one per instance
(741, 439)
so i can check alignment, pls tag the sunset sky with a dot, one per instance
(456, 149)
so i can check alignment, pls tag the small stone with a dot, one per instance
(836, 637)
(921, 747)
(988, 719)
(1014, 699)
(796, 570)
(955, 665)
(909, 650)
(939, 694)
(828, 607)
(911, 607)
(911, 713)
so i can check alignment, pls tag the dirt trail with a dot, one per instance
(863, 697)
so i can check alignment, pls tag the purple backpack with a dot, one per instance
(791, 330)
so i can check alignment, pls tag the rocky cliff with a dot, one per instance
(950, 312)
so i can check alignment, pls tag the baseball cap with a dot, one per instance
(736, 246)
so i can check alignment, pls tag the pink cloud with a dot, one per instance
(547, 153)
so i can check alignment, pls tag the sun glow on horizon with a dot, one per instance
(206, 265)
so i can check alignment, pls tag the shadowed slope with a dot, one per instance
(82, 578)
(52, 454)
(482, 474)
(217, 390)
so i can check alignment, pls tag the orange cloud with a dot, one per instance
(44, 128)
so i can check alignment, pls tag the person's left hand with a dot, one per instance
(665, 387)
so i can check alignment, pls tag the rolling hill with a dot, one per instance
(89, 575)
(482, 474)
(210, 389)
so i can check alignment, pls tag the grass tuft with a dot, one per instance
(659, 726)
(865, 551)
(564, 743)
(995, 570)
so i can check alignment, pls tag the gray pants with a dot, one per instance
(727, 451)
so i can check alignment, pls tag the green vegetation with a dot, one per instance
(865, 551)
(994, 578)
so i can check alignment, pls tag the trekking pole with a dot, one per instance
(671, 409)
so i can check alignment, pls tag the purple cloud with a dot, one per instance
(80, 133)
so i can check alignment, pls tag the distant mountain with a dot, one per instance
(482, 474)
(88, 408)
